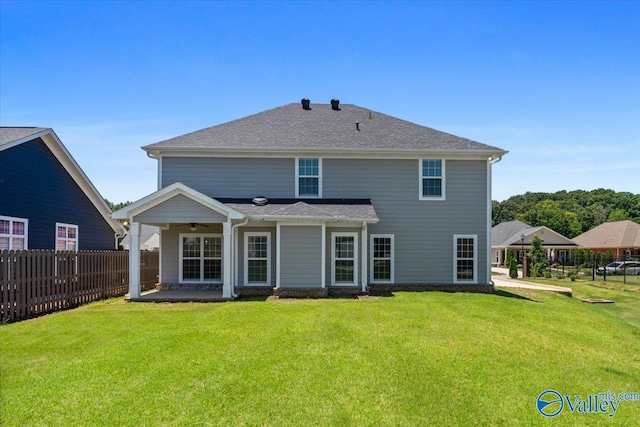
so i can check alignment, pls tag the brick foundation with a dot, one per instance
(381, 289)
(300, 292)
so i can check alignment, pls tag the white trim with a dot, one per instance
(266, 234)
(364, 269)
(354, 235)
(226, 259)
(12, 236)
(277, 255)
(323, 255)
(67, 239)
(159, 173)
(134, 261)
(392, 258)
(298, 176)
(344, 153)
(175, 189)
(489, 222)
(443, 180)
(475, 258)
(181, 236)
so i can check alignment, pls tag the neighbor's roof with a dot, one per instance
(290, 127)
(509, 233)
(504, 233)
(617, 234)
(296, 209)
(13, 134)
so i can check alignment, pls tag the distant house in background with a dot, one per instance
(620, 237)
(149, 238)
(516, 235)
(46, 200)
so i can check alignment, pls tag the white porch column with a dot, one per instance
(365, 258)
(226, 259)
(134, 261)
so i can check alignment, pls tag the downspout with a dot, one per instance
(234, 252)
(490, 163)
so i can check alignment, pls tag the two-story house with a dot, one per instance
(319, 198)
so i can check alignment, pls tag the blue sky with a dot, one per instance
(555, 83)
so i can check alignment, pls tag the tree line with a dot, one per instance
(570, 213)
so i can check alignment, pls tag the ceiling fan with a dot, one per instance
(193, 226)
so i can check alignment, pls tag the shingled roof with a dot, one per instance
(351, 128)
(616, 234)
(326, 209)
(10, 134)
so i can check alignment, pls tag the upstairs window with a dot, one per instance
(308, 177)
(13, 233)
(432, 186)
(66, 237)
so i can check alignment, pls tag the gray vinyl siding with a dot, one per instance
(300, 256)
(170, 249)
(179, 209)
(242, 255)
(423, 229)
(232, 177)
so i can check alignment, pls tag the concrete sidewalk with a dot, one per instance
(504, 281)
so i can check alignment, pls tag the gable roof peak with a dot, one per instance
(321, 127)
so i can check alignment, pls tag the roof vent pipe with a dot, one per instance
(305, 104)
(357, 126)
(335, 104)
(260, 201)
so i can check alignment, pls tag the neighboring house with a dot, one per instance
(46, 200)
(622, 238)
(516, 235)
(319, 198)
(149, 239)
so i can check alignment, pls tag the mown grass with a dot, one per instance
(625, 296)
(408, 359)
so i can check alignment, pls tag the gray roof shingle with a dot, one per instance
(616, 234)
(290, 127)
(9, 134)
(332, 209)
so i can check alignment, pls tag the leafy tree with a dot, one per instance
(538, 257)
(618, 215)
(569, 212)
(512, 264)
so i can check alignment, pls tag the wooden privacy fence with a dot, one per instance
(36, 282)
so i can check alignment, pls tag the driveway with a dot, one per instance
(504, 281)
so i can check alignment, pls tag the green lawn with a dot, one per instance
(409, 359)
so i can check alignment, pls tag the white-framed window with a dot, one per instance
(381, 266)
(344, 258)
(257, 259)
(308, 177)
(432, 179)
(465, 258)
(200, 258)
(14, 233)
(66, 237)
